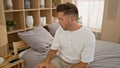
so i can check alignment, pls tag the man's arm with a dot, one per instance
(51, 54)
(79, 65)
(46, 61)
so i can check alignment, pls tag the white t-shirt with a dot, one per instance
(75, 46)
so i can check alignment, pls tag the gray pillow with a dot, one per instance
(53, 27)
(38, 39)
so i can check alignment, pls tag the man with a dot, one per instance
(73, 45)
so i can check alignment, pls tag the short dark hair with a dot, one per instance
(68, 9)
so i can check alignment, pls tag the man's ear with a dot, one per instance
(72, 18)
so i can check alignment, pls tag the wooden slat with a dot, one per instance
(19, 45)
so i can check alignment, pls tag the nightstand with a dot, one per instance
(17, 64)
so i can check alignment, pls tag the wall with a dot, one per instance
(3, 33)
(111, 21)
(72, 1)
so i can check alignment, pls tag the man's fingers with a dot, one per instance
(44, 67)
(38, 66)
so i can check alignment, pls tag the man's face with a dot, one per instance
(64, 21)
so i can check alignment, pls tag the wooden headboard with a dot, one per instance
(20, 45)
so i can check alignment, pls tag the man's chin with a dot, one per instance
(64, 28)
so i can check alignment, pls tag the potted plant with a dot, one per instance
(11, 25)
(53, 3)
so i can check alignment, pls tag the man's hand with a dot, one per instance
(79, 65)
(46, 63)
(43, 64)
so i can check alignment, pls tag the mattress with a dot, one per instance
(32, 57)
(107, 55)
(23, 52)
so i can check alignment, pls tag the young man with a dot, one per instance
(73, 45)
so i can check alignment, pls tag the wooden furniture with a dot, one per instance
(17, 64)
(19, 46)
(3, 33)
(19, 14)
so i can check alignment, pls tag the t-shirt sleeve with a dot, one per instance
(56, 42)
(87, 54)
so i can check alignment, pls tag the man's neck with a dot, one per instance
(75, 26)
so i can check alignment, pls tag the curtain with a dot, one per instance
(91, 13)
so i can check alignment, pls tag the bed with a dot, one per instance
(107, 54)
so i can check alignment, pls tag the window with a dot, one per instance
(91, 12)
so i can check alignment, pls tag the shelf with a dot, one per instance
(45, 25)
(30, 9)
(18, 30)
(47, 3)
(12, 38)
(18, 13)
(15, 31)
(29, 28)
(53, 8)
(35, 15)
(34, 4)
(47, 14)
(13, 10)
(17, 4)
(18, 17)
(45, 8)
(54, 13)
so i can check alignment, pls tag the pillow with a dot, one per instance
(38, 39)
(53, 27)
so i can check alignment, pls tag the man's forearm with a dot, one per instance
(79, 65)
(51, 54)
